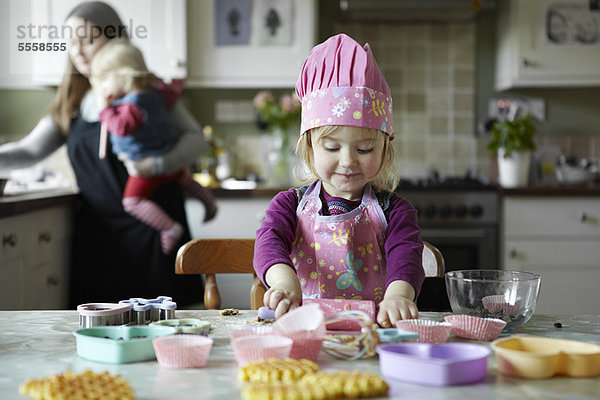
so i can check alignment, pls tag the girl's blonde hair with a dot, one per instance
(387, 177)
(75, 85)
(126, 61)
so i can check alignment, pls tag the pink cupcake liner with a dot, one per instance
(306, 344)
(429, 331)
(253, 348)
(497, 302)
(182, 351)
(475, 328)
(250, 330)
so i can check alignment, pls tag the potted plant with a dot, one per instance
(512, 143)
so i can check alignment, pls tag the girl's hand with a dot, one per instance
(395, 309)
(281, 301)
(285, 292)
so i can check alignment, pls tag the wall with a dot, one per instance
(441, 77)
(430, 68)
(572, 114)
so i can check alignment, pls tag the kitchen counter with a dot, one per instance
(40, 343)
(552, 191)
(269, 192)
(22, 203)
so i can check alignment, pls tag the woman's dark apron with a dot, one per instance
(115, 256)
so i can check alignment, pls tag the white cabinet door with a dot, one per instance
(558, 238)
(158, 27)
(46, 273)
(11, 283)
(552, 217)
(14, 236)
(34, 259)
(527, 56)
(251, 65)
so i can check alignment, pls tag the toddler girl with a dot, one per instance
(134, 107)
(346, 235)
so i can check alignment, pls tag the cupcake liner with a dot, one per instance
(475, 328)
(235, 334)
(182, 351)
(429, 331)
(497, 302)
(252, 348)
(309, 318)
(306, 344)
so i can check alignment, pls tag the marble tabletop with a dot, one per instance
(35, 344)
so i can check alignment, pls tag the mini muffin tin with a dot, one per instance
(434, 364)
(119, 344)
(542, 357)
(186, 325)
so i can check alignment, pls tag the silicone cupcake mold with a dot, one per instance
(541, 357)
(434, 364)
(119, 344)
(186, 325)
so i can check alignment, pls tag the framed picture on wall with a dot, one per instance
(572, 23)
(249, 43)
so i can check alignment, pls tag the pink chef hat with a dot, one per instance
(341, 84)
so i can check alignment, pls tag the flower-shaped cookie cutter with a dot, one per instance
(144, 311)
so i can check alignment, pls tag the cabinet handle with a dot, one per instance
(513, 253)
(525, 62)
(582, 217)
(44, 237)
(9, 240)
(52, 281)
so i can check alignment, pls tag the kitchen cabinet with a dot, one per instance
(528, 57)
(157, 27)
(250, 65)
(34, 259)
(237, 218)
(559, 238)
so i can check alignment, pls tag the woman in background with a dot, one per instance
(114, 255)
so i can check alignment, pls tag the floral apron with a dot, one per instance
(340, 256)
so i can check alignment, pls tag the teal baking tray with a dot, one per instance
(119, 344)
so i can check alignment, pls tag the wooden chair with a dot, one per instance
(234, 256)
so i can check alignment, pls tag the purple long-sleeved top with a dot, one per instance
(403, 245)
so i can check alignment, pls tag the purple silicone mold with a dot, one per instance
(434, 364)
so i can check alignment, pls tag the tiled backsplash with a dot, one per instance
(578, 146)
(430, 69)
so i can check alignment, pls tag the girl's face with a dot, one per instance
(85, 42)
(347, 160)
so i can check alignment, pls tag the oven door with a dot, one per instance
(462, 248)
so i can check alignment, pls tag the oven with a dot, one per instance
(460, 218)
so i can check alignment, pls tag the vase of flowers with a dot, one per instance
(277, 118)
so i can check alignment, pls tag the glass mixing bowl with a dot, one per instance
(507, 295)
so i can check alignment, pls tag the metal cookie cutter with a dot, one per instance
(144, 311)
(103, 314)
